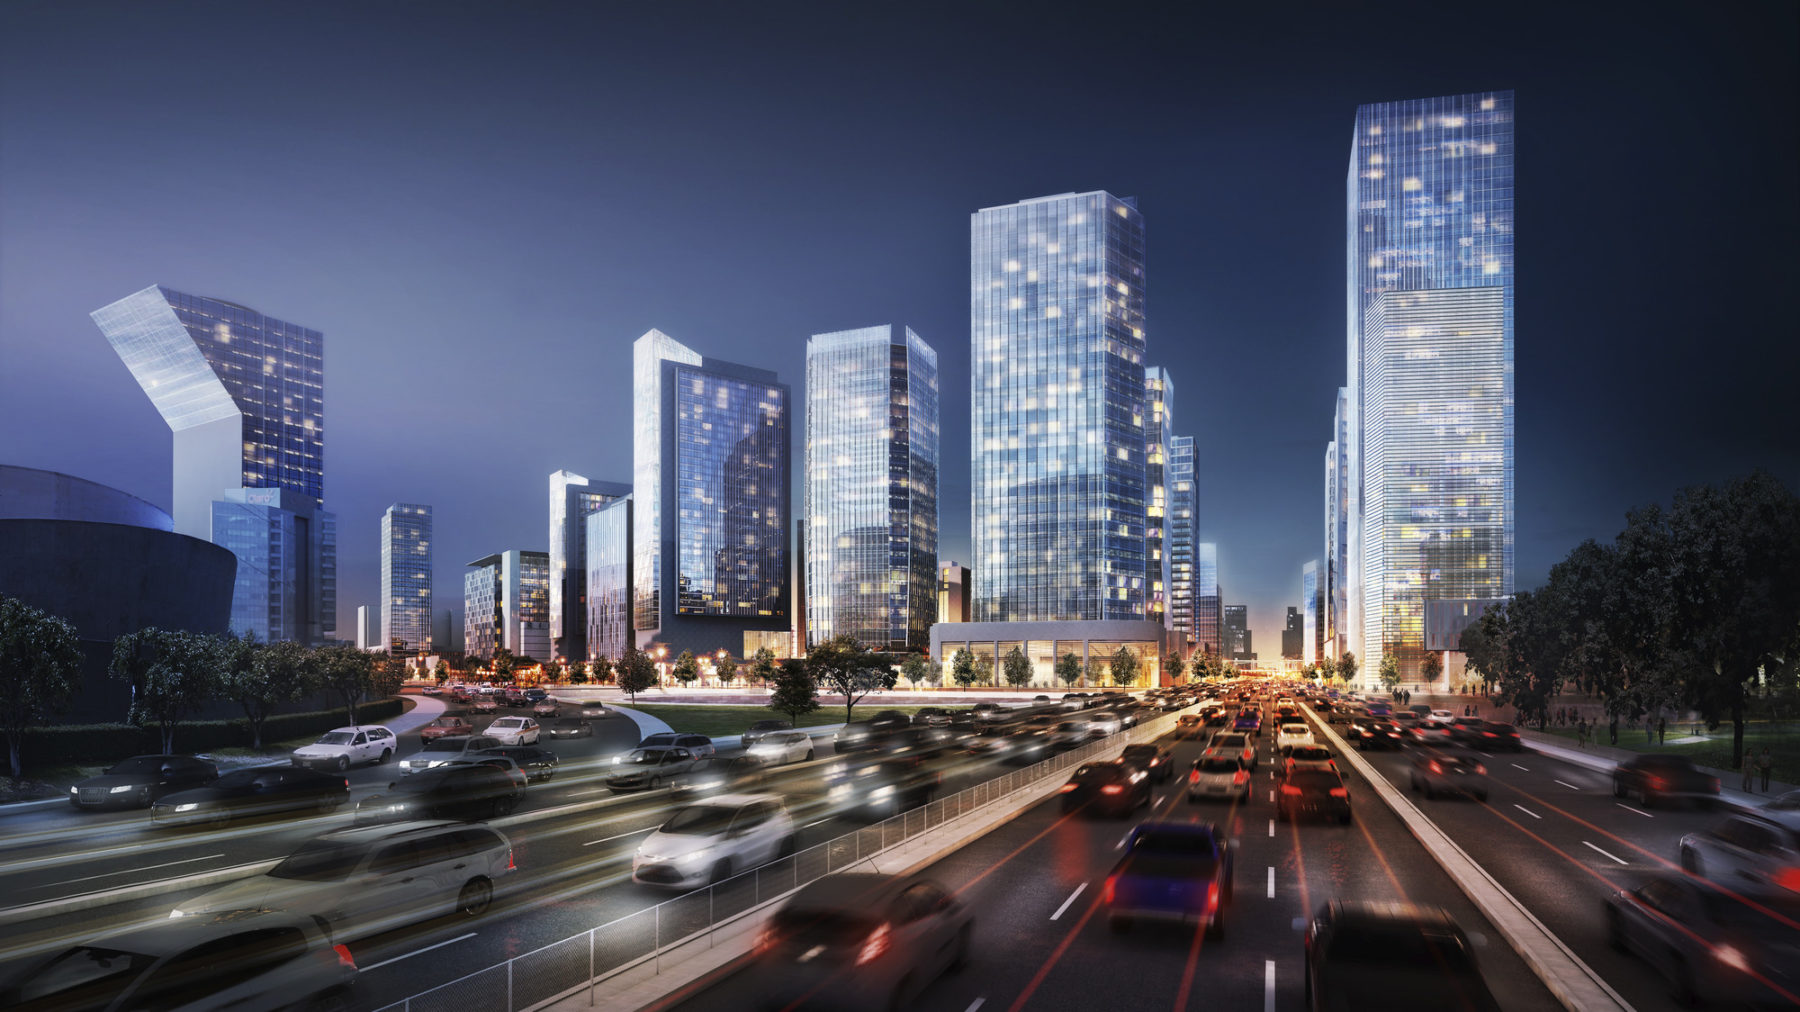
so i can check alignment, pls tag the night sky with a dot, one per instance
(482, 206)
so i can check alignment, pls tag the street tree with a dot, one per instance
(441, 672)
(762, 665)
(553, 672)
(40, 670)
(636, 672)
(916, 669)
(1125, 667)
(1346, 666)
(602, 671)
(171, 674)
(796, 693)
(686, 668)
(1017, 668)
(1390, 671)
(350, 676)
(1173, 666)
(578, 673)
(984, 669)
(1432, 666)
(962, 667)
(1068, 669)
(260, 677)
(726, 667)
(850, 669)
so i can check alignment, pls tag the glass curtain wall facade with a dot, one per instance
(871, 487)
(1209, 633)
(1337, 535)
(286, 549)
(647, 425)
(1429, 206)
(572, 499)
(1182, 542)
(1312, 626)
(609, 558)
(1159, 394)
(525, 603)
(406, 580)
(1058, 411)
(482, 622)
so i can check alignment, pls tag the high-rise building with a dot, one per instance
(572, 499)
(1293, 636)
(1429, 437)
(1159, 395)
(954, 598)
(1237, 633)
(506, 603)
(607, 563)
(1056, 323)
(871, 487)
(1182, 542)
(1311, 598)
(244, 395)
(1209, 632)
(1334, 574)
(368, 627)
(710, 462)
(406, 580)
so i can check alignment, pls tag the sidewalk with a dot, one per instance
(1603, 758)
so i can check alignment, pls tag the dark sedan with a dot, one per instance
(1115, 788)
(1494, 736)
(261, 790)
(1155, 760)
(140, 780)
(1710, 945)
(1312, 791)
(467, 791)
(1652, 779)
(925, 742)
(538, 764)
(1380, 734)
(1391, 956)
(1248, 722)
(566, 727)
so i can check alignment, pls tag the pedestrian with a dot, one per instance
(1581, 733)
(1662, 729)
(1767, 766)
(1749, 765)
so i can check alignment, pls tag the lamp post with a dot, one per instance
(661, 652)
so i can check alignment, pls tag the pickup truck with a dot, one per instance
(1172, 871)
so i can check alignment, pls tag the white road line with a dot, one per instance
(621, 836)
(577, 794)
(1571, 787)
(428, 948)
(1268, 985)
(1528, 811)
(128, 871)
(1271, 797)
(820, 822)
(1628, 808)
(1123, 840)
(1271, 882)
(1597, 850)
(1065, 906)
(1271, 827)
(1516, 766)
(977, 1003)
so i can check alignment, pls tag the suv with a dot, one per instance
(1757, 850)
(375, 879)
(1389, 955)
(336, 750)
(699, 744)
(441, 750)
(470, 790)
(711, 840)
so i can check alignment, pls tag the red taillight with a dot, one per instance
(1339, 792)
(1435, 768)
(875, 946)
(1212, 896)
(1241, 776)
(1787, 878)
(1066, 788)
(1106, 894)
(1489, 734)
(1658, 783)
(346, 784)
(1480, 770)
(509, 861)
(1112, 789)
(1193, 776)
(343, 955)
(1290, 790)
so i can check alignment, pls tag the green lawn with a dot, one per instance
(726, 720)
(1782, 740)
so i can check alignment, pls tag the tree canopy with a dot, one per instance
(850, 669)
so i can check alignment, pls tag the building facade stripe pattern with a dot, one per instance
(406, 580)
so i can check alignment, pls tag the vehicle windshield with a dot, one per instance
(447, 722)
(1229, 741)
(320, 861)
(137, 764)
(335, 738)
(1218, 765)
(1311, 752)
(660, 738)
(507, 722)
(81, 968)
(648, 757)
(824, 927)
(700, 820)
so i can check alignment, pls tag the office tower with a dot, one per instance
(1429, 211)
(244, 395)
(711, 489)
(606, 563)
(1333, 576)
(1237, 632)
(1159, 394)
(1293, 635)
(406, 580)
(1310, 599)
(368, 628)
(1209, 634)
(572, 499)
(954, 598)
(1056, 321)
(871, 487)
(446, 629)
(506, 603)
(1182, 542)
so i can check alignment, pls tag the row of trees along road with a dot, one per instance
(1694, 606)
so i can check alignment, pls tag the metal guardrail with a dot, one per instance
(562, 969)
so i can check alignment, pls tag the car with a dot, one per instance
(1291, 734)
(736, 775)
(537, 694)
(1218, 776)
(1312, 792)
(925, 742)
(883, 787)
(1391, 956)
(139, 781)
(783, 747)
(486, 704)
(441, 750)
(1308, 757)
(1444, 717)
(433, 690)
(1710, 944)
(1102, 723)
(567, 727)
(860, 941)
(709, 841)
(931, 716)
(1233, 745)
(1466, 730)
(1431, 736)
(373, 879)
(988, 712)
(250, 961)
(757, 730)
(1437, 772)
(856, 736)
(1152, 759)
(1068, 734)
(256, 791)
(338, 748)
(1653, 779)
(467, 789)
(1217, 718)
(1380, 734)
(1755, 850)
(700, 745)
(1029, 744)
(592, 711)
(537, 763)
(1189, 726)
(1171, 871)
(650, 769)
(1114, 788)
(514, 731)
(1247, 722)
(1496, 736)
(515, 697)
(547, 708)
(444, 726)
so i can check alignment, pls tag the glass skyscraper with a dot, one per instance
(1429, 301)
(608, 564)
(406, 580)
(286, 550)
(1311, 596)
(871, 487)
(1183, 542)
(572, 499)
(1056, 323)
(1159, 394)
(1334, 576)
(506, 603)
(1209, 632)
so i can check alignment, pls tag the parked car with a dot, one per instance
(1114, 788)
(466, 789)
(1218, 777)
(257, 791)
(700, 745)
(1171, 871)
(649, 769)
(1435, 772)
(446, 726)
(547, 708)
(736, 775)
(441, 750)
(1153, 759)
(141, 780)
(515, 697)
(1755, 850)
(536, 694)
(486, 704)
(761, 728)
(514, 731)
(1653, 779)
(1312, 792)
(1708, 942)
(883, 788)
(567, 727)
(861, 941)
(1391, 956)
(337, 749)
(537, 763)
(712, 840)
(253, 961)
(1291, 734)
(783, 747)
(365, 881)
(1233, 745)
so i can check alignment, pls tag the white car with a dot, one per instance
(1218, 776)
(337, 749)
(782, 747)
(1104, 722)
(1070, 733)
(1290, 734)
(1444, 717)
(514, 731)
(712, 840)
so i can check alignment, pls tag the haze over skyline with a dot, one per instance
(481, 208)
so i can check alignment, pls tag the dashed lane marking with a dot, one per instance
(1528, 811)
(1271, 882)
(1571, 787)
(1628, 808)
(1062, 909)
(1602, 853)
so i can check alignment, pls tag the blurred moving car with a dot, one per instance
(782, 747)
(1391, 956)
(1220, 777)
(514, 731)
(1312, 792)
(649, 769)
(927, 742)
(446, 726)
(757, 730)
(257, 791)
(466, 790)
(1171, 871)
(264, 960)
(365, 881)
(592, 710)
(337, 749)
(547, 708)
(1153, 759)
(1189, 725)
(1068, 734)
(537, 763)
(1102, 723)
(486, 704)
(883, 788)
(1752, 851)
(141, 780)
(1380, 734)
(1495, 736)
(1308, 757)
(1653, 779)
(441, 750)
(567, 727)
(1247, 722)
(1233, 745)
(1711, 946)
(736, 775)
(861, 941)
(710, 841)
(931, 716)
(700, 745)
(1113, 788)
(1435, 773)
(1291, 734)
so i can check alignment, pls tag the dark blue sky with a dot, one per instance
(481, 207)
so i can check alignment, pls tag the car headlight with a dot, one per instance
(397, 807)
(881, 793)
(176, 913)
(74, 790)
(1731, 956)
(190, 806)
(839, 792)
(126, 789)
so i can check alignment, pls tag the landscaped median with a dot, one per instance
(725, 720)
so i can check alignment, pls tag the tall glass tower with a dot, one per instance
(1183, 542)
(1056, 324)
(572, 499)
(1159, 432)
(1209, 604)
(406, 580)
(1429, 301)
(871, 487)
(1334, 575)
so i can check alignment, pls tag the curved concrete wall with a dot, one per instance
(27, 493)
